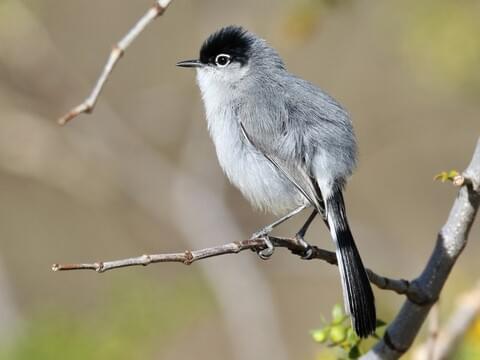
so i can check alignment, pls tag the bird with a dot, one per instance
(286, 145)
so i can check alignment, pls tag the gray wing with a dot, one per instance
(295, 172)
(326, 128)
(296, 123)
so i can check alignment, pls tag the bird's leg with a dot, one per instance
(269, 228)
(263, 233)
(301, 234)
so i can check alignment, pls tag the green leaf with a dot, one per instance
(352, 338)
(354, 353)
(452, 174)
(446, 175)
(441, 176)
(380, 323)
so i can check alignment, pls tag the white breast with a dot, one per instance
(248, 170)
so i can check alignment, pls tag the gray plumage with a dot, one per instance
(283, 143)
(298, 123)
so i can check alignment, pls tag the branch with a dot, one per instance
(187, 257)
(451, 240)
(402, 287)
(118, 50)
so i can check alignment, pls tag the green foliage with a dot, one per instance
(131, 326)
(338, 333)
(447, 176)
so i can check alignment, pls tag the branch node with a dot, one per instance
(388, 341)
(238, 246)
(417, 295)
(188, 257)
(146, 259)
(459, 180)
(406, 283)
(116, 49)
(99, 267)
(466, 180)
(158, 8)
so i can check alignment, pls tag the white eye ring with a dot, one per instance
(222, 60)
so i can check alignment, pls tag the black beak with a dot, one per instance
(190, 63)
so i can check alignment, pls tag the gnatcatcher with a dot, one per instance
(286, 145)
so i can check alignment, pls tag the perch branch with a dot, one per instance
(451, 241)
(188, 257)
(118, 50)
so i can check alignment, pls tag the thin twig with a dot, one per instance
(118, 50)
(188, 257)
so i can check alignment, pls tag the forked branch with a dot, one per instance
(451, 241)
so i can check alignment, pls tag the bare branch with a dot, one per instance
(187, 257)
(402, 287)
(451, 240)
(118, 50)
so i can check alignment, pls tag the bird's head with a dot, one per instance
(231, 55)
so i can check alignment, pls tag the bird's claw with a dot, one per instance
(307, 248)
(266, 253)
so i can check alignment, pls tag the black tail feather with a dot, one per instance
(358, 294)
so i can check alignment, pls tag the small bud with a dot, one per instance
(320, 335)
(338, 334)
(337, 314)
(458, 180)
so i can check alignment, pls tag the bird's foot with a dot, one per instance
(307, 252)
(266, 253)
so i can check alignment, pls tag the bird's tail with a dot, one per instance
(357, 292)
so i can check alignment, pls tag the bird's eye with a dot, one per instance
(222, 60)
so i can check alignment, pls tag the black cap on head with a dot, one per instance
(232, 40)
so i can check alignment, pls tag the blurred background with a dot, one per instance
(140, 174)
